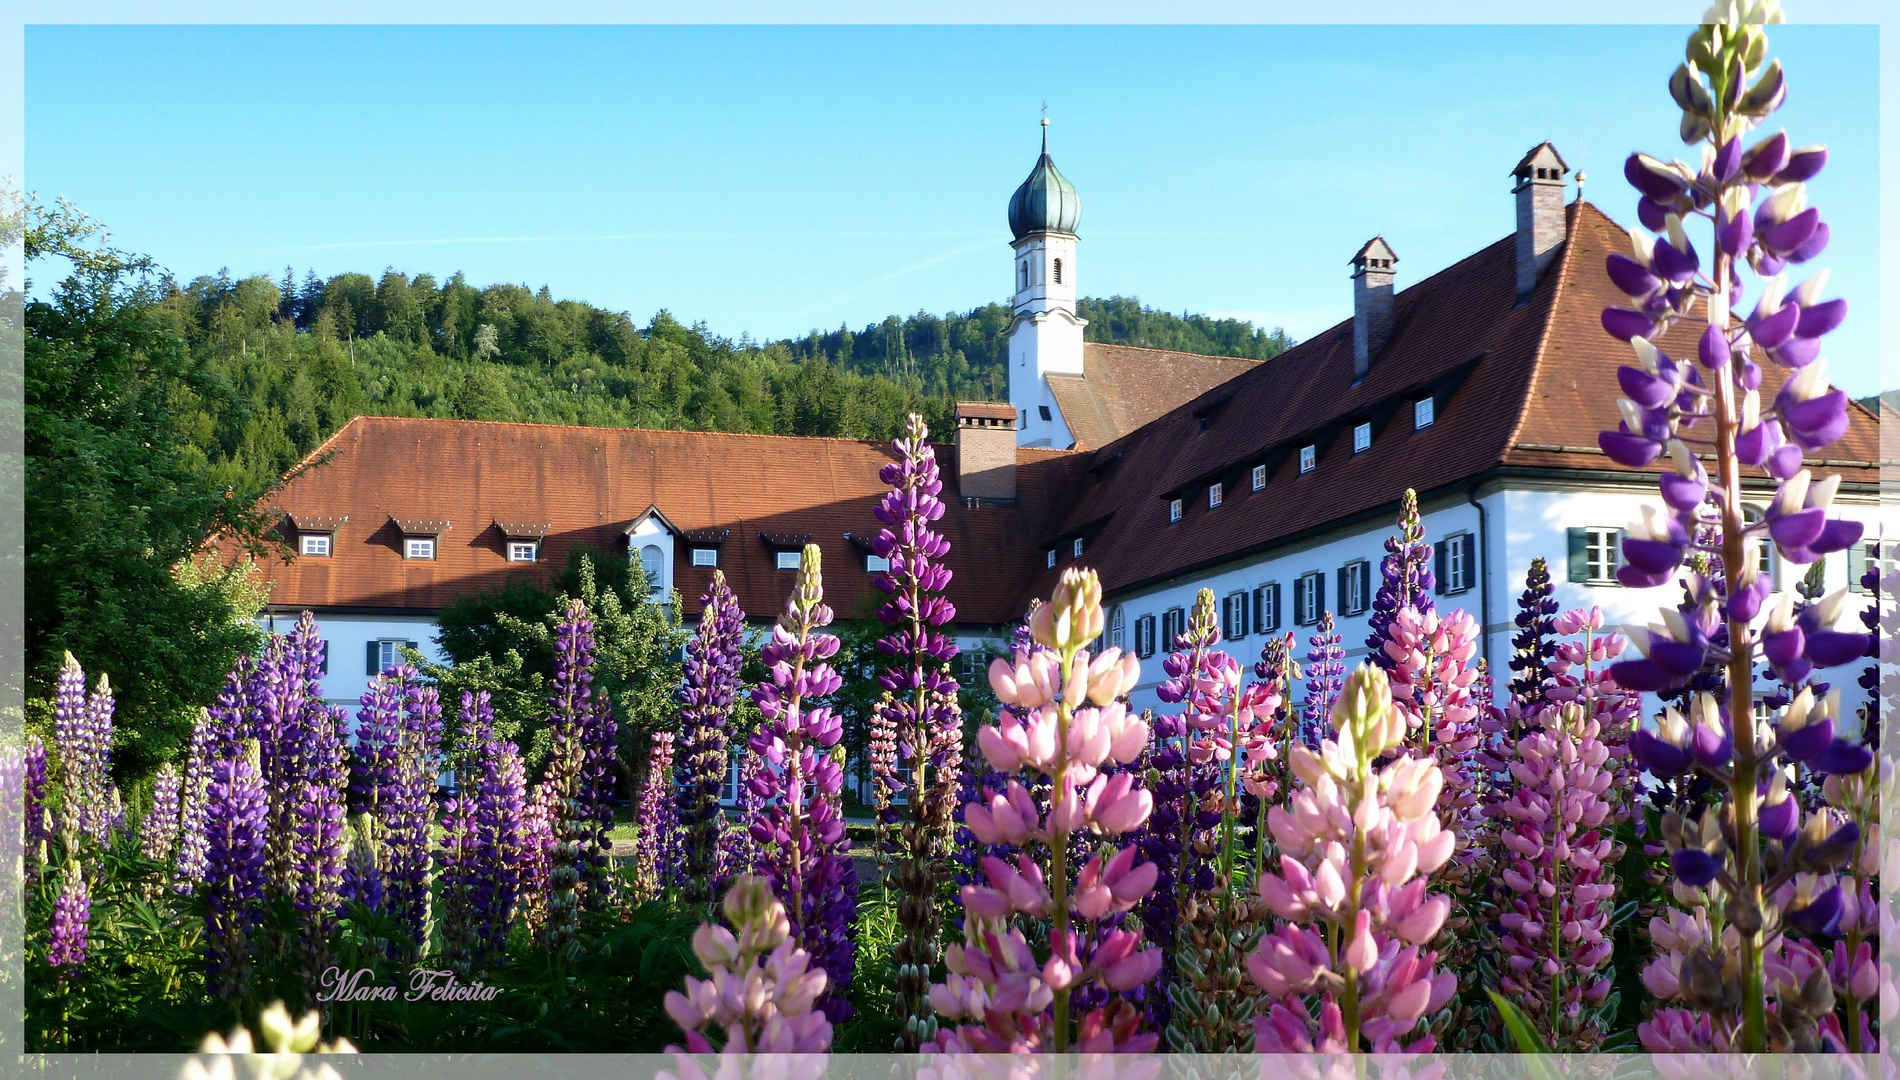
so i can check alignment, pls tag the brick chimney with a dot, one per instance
(1540, 213)
(1371, 303)
(986, 450)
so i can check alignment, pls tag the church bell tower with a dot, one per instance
(1045, 336)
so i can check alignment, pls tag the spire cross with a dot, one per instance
(1045, 125)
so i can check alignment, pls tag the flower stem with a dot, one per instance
(1059, 852)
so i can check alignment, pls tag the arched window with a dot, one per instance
(1058, 271)
(1023, 274)
(650, 564)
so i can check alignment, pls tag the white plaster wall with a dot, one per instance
(347, 636)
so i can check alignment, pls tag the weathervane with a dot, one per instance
(1045, 125)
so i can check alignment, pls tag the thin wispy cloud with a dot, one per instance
(925, 264)
(594, 238)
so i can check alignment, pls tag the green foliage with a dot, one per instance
(1519, 1025)
(118, 496)
(503, 642)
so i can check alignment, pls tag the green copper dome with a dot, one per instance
(1046, 202)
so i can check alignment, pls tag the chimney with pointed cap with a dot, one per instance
(1540, 213)
(1371, 303)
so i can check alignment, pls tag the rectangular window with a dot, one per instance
(970, 664)
(523, 550)
(1174, 509)
(385, 653)
(418, 547)
(876, 564)
(1361, 438)
(1456, 567)
(1078, 547)
(787, 560)
(705, 556)
(1355, 588)
(1118, 628)
(1052, 558)
(1173, 625)
(1593, 555)
(1145, 636)
(1266, 608)
(1259, 477)
(316, 545)
(1309, 456)
(1233, 616)
(1422, 414)
(1857, 569)
(1213, 495)
(1309, 598)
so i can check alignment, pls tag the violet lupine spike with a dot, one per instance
(234, 871)
(193, 795)
(600, 750)
(71, 925)
(498, 850)
(1754, 204)
(1533, 643)
(1325, 674)
(457, 863)
(707, 699)
(38, 825)
(656, 859)
(922, 707)
(564, 789)
(1350, 969)
(407, 828)
(799, 827)
(82, 728)
(1432, 676)
(1406, 579)
(158, 832)
(1001, 995)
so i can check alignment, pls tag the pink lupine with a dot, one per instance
(762, 990)
(1555, 844)
(1357, 844)
(1064, 717)
(1433, 672)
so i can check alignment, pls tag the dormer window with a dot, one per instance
(1361, 438)
(705, 556)
(1259, 477)
(877, 564)
(524, 550)
(1174, 509)
(786, 560)
(1422, 414)
(314, 545)
(1213, 495)
(1309, 457)
(1052, 558)
(418, 547)
(1078, 547)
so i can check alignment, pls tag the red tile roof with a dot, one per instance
(590, 483)
(987, 410)
(1514, 384)
(1122, 387)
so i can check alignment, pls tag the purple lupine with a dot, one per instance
(1721, 389)
(455, 860)
(234, 870)
(707, 698)
(1533, 643)
(1405, 579)
(1869, 678)
(82, 728)
(33, 792)
(409, 835)
(1325, 674)
(158, 833)
(922, 706)
(72, 917)
(600, 749)
(799, 827)
(656, 859)
(499, 850)
(563, 789)
(194, 788)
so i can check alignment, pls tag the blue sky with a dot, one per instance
(768, 180)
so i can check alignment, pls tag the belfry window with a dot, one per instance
(1058, 271)
(1022, 275)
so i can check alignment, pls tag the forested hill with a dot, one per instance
(302, 357)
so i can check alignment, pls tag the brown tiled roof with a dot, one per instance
(987, 410)
(1122, 387)
(1514, 384)
(590, 483)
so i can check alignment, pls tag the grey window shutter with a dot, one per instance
(1438, 568)
(369, 659)
(1273, 599)
(1299, 601)
(1579, 555)
(1345, 586)
(1319, 592)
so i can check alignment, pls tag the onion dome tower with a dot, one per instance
(1045, 336)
